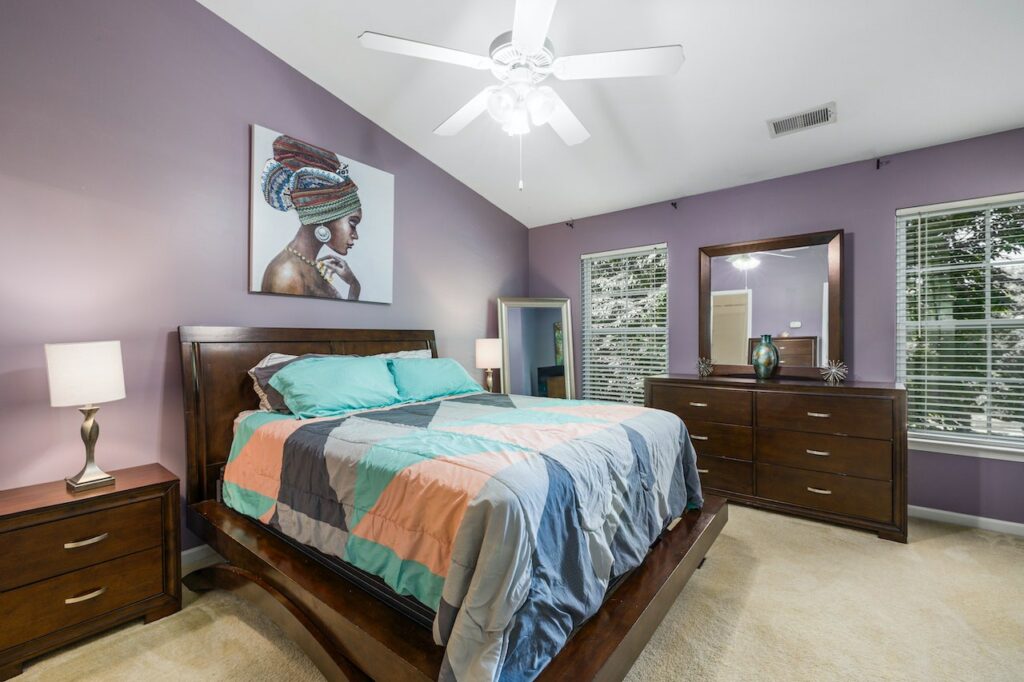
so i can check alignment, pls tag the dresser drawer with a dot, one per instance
(864, 417)
(798, 360)
(50, 549)
(726, 474)
(721, 440)
(44, 607)
(858, 497)
(822, 452)
(704, 404)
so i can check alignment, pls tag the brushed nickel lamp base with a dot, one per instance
(91, 476)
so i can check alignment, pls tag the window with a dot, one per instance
(625, 321)
(960, 320)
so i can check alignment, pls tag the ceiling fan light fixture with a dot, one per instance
(500, 103)
(744, 262)
(518, 122)
(541, 102)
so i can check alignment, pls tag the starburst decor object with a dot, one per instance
(834, 373)
(704, 367)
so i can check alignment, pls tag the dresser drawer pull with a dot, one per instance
(90, 541)
(817, 453)
(702, 471)
(692, 404)
(696, 437)
(819, 415)
(818, 491)
(86, 596)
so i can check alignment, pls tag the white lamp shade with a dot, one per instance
(488, 353)
(84, 373)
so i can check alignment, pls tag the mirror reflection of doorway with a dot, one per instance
(730, 326)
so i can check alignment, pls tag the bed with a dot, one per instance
(357, 625)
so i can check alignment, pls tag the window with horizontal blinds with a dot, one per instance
(960, 320)
(625, 322)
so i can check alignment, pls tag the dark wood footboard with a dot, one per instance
(350, 635)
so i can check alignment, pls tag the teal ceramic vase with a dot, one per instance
(765, 357)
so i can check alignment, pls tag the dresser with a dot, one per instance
(74, 565)
(831, 453)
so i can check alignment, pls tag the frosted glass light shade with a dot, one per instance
(488, 353)
(84, 373)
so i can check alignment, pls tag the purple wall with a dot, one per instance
(124, 130)
(855, 197)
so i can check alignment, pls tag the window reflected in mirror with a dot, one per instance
(782, 292)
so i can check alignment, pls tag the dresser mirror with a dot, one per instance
(788, 287)
(536, 347)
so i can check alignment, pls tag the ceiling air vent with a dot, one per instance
(813, 118)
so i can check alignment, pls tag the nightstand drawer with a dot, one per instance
(50, 549)
(50, 605)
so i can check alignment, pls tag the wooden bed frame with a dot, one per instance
(349, 634)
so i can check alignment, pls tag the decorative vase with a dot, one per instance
(765, 357)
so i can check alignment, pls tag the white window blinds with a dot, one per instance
(960, 320)
(625, 321)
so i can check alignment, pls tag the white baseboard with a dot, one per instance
(198, 557)
(969, 520)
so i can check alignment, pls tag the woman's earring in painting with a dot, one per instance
(322, 234)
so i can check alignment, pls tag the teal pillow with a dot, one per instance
(335, 384)
(425, 378)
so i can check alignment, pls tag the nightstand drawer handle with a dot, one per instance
(817, 453)
(818, 491)
(696, 437)
(819, 415)
(702, 471)
(692, 404)
(86, 597)
(90, 541)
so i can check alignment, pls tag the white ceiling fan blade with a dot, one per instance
(774, 253)
(645, 61)
(530, 24)
(464, 116)
(413, 48)
(565, 123)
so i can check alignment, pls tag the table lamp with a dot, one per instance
(86, 374)
(488, 356)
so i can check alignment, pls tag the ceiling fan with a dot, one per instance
(523, 58)
(747, 261)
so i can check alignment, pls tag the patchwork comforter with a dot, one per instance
(507, 515)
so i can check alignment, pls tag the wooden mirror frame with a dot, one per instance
(834, 240)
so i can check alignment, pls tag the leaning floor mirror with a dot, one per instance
(536, 347)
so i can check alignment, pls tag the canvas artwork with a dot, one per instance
(322, 224)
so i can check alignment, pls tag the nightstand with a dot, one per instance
(74, 565)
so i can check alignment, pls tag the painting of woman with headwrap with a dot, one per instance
(322, 225)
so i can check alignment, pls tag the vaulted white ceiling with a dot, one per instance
(905, 74)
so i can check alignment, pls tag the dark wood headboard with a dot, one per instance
(216, 386)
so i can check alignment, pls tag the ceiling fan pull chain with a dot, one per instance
(520, 162)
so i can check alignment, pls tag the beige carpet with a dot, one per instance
(778, 599)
